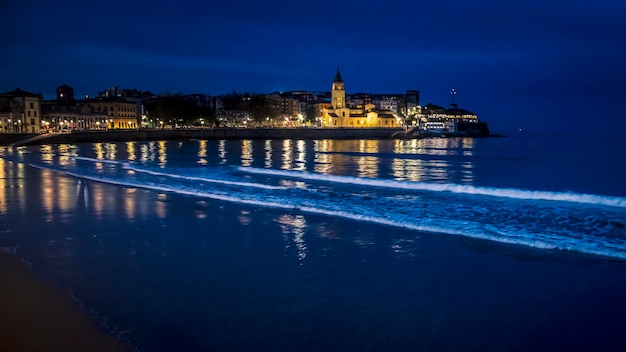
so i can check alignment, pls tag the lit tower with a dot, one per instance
(338, 94)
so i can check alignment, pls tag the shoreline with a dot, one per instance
(35, 315)
(12, 139)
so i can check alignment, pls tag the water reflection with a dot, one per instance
(246, 152)
(467, 172)
(294, 228)
(144, 151)
(67, 152)
(300, 156)
(437, 159)
(82, 194)
(99, 150)
(244, 217)
(130, 150)
(202, 152)
(63, 198)
(287, 154)
(161, 209)
(162, 152)
(106, 151)
(449, 160)
(130, 203)
(418, 160)
(323, 159)
(368, 164)
(221, 151)
(12, 188)
(268, 153)
(408, 169)
(47, 154)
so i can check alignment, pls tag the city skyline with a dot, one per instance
(534, 65)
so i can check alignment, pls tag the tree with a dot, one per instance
(260, 108)
(312, 113)
(176, 109)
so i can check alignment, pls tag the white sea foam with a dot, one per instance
(457, 228)
(129, 166)
(204, 179)
(447, 187)
(104, 161)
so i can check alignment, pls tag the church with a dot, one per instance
(339, 114)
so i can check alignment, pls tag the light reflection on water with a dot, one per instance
(46, 154)
(408, 169)
(221, 151)
(162, 154)
(300, 156)
(426, 160)
(287, 154)
(268, 153)
(323, 160)
(11, 185)
(202, 152)
(294, 228)
(368, 165)
(246, 153)
(130, 150)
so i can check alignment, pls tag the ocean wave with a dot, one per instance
(447, 187)
(129, 166)
(511, 227)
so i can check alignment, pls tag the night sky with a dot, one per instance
(535, 65)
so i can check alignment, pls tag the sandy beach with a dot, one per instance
(35, 315)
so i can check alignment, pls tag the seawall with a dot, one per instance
(211, 133)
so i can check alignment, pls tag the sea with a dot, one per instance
(515, 243)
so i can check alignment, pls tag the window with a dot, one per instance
(34, 113)
(28, 112)
(32, 106)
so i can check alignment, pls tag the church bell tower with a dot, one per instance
(338, 94)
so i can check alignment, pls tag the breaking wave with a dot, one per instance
(448, 187)
(545, 220)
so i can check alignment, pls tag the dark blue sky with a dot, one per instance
(537, 64)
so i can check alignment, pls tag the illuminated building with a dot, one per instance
(20, 112)
(343, 113)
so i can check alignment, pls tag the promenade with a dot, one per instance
(204, 133)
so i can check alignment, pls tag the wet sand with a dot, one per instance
(35, 315)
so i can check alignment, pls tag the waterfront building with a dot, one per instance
(340, 114)
(287, 106)
(387, 103)
(456, 114)
(20, 112)
(120, 114)
(65, 95)
(66, 114)
(411, 104)
(437, 120)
